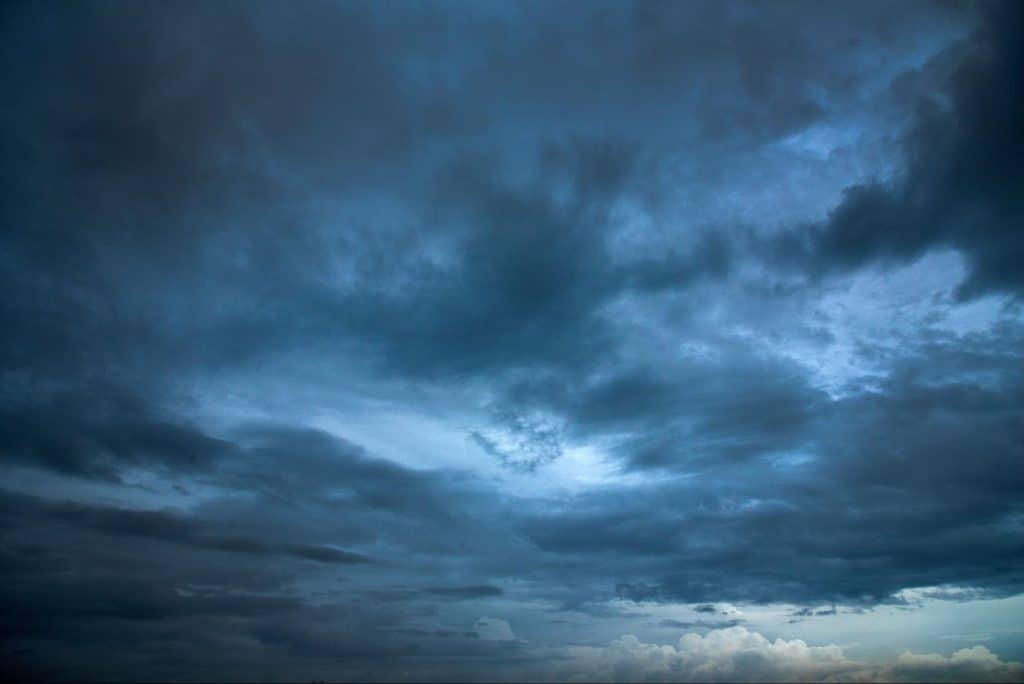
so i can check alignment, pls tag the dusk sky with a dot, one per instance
(558, 341)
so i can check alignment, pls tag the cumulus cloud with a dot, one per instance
(732, 654)
(737, 654)
(968, 664)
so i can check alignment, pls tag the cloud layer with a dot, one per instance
(739, 655)
(436, 341)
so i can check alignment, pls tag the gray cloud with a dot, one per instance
(576, 285)
(958, 187)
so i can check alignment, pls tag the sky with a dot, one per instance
(552, 341)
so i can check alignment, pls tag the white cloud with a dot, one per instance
(737, 654)
(968, 664)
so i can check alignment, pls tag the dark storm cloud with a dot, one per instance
(88, 575)
(453, 593)
(295, 495)
(960, 188)
(710, 411)
(688, 414)
(154, 197)
(167, 527)
(217, 215)
(97, 430)
(481, 591)
(150, 141)
(929, 456)
(177, 103)
(726, 72)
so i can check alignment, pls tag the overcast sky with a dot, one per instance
(563, 340)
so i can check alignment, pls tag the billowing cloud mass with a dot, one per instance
(455, 341)
(739, 655)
